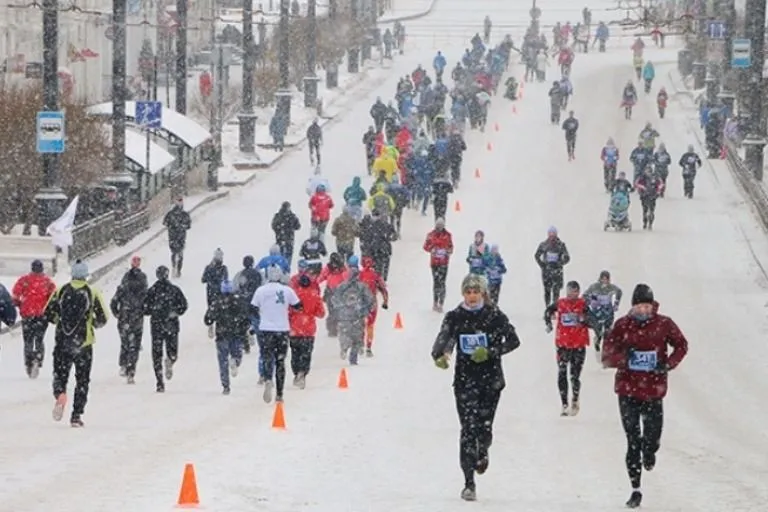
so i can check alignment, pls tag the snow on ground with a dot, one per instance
(389, 443)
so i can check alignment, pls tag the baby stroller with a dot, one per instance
(618, 213)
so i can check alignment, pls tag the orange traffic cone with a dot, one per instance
(398, 321)
(477, 172)
(343, 384)
(514, 109)
(496, 126)
(188, 497)
(457, 206)
(278, 419)
(490, 147)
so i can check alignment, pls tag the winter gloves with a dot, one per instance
(480, 355)
(385, 306)
(442, 362)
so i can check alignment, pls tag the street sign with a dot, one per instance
(741, 53)
(149, 114)
(50, 132)
(716, 29)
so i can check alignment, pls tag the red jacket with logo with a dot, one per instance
(637, 348)
(373, 280)
(304, 322)
(572, 330)
(321, 204)
(31, 293)
(439, 244)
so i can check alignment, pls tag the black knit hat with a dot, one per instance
(642, 295)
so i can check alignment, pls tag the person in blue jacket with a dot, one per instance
(422, 170)
(495, 272)
(275, 258)
(354, 197)
(439, 63)
(7, 308)
(601, 35)
(649, 73)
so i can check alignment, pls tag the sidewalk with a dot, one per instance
(239, 169)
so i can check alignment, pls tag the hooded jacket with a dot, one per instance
(303, 321)
(274, 258)
(355, 194)
(345, 229)
(128, 303)
(320, 205)
(285, 223)
(31, 293)
(385, 163)
(76, 309)
(352, 301)
(639, 352)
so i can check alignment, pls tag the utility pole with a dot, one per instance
(332, 68)
(181, 57)
(311, 79)
(120, 177)
(369, 17)
(50, 198)
(353, 53)
(700, 49)
(283, 95)
(754, 142)
(727, 10)
(246, 118)
(214, 54)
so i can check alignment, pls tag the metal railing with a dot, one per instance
(746, 180)
(99, 233)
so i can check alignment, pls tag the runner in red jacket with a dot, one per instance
(439, 245)
(31, 294)
(376, 284)
(637, 347)
(320, 206)
(571, 340)
(303, 324)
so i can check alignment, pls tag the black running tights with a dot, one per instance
(572, 358)
(439, 275)
(643, 421)
(477, 408)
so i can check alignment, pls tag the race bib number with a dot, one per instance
(691, 160)
(441, 253)
(643, 360)
(604, 300)
(570, 320)
(552, 257)
(494, 273)
(477, 262)
(470, 342)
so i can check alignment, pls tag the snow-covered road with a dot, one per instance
(389, 443)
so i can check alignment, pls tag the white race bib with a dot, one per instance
(470, 342)
(440, 253)
(604, 300)
(643, 360)
(552, 257)
(477, 262)
(569, 320)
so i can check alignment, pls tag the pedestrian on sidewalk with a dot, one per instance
(31, 294)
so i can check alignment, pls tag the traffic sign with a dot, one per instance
(741, 53)
(716, 29)
(149, 114)
(50, 132)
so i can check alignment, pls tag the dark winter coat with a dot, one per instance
(214, 274)
(467, 330)
(570, 127)
(77, 309)
(313, 249)
(379, 111)
(314, 134)
(246, 282)
(380, 237)
(285, 223)
(178, 222)
(128, 303)
(690, 162)
(551, 256)
(649, 186)
(635, 344)
(556, 96)
(231, 314)
(7, 309)
(456, 148)
(164, 304)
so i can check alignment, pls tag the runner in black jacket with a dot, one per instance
(483, 334)
(551, 256)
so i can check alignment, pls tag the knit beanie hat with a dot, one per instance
(474, 282)
(37, 267)
(79, 270)
(642, 295)
(218, 255)
(305, 281)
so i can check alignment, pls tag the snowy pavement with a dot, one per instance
(389, 442)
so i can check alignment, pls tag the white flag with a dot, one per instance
(61, 229)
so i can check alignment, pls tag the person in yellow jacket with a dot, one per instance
(382, 202)
(76, 309)
(385, 163)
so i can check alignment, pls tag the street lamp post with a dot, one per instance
(283, 95)
(755, 140)
(181, 57)
(311, 79)
(247, 118)
(353, 53)
(332, 67)
(50, 198)
(120, 177)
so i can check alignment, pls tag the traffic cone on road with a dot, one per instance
(343, 383)
(188, 497)
(278, 419)
(477, 172)
(398, 321)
